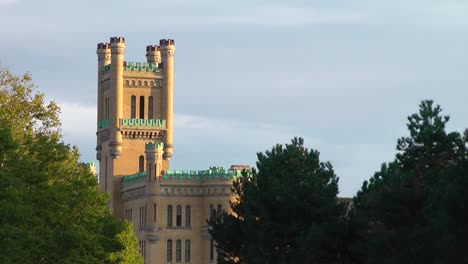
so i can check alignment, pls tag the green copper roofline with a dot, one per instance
(142, 122)
(184, 175)
(103, 123)
(135, 66)
(134, 178)
(141, 66)
(154, 145)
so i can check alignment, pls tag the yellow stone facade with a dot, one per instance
(168, 208)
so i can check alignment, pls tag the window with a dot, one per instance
(106, 115)
(178, 250)
(169, 215)
(141, 164)
(142, 244)
(142, 107)
(220, 210)
(142, 223)
(154, 212)
(211, 250)
(169, 250)
(144, 217)
(187, 250)
(150, 107)
(133, 107)
(187, 215)
(211, 211)
(179, 215)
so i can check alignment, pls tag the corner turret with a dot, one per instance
(153, 54)
(167, 48)
(117, 47)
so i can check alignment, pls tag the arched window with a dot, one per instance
(145, 83)
(187, 250)
(141, 164)
(179, 215)
(178, 250)
(150, 107)
(127, 83)
(211, 211)
(142, 107)
(133, 83)
(220, 210)
(169, 250)
(169, 215)
(187, 215)
(139, 83)
(133, 107)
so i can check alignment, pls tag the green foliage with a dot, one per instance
(414, 209)
(52, 210)
(287, 212)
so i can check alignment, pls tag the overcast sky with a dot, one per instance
(344, 75)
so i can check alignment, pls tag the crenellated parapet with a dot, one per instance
(202, 175)
(154, 145)
(141, 67)
(136, 122)
(134, 178)
(104, 53)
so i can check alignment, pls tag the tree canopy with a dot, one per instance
(286, 212)
(414, 209)
(52, 210)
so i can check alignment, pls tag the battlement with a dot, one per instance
(117, 40)
(153, 145)
(214, 173)
(103, 46)
(142, 122)
(150, 48)
(166, 42)
(89, 165)
(141, 66)
(134, 178)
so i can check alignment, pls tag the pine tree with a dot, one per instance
(287, 212)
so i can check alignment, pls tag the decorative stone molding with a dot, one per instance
(117, 50)
(167, 53)
(134, 195)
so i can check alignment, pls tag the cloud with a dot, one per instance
(77, 120)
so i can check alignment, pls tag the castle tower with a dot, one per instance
(168, 208)
(153, 54)
(135, 105)
(104, 58)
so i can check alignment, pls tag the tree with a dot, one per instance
(412, 210)
(52, 210)
(287, 212)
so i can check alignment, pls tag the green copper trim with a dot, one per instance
(141, 67)
(154, 145)
(103, 123)
(89, 165)
(142, 122)
(134, 178)
(218, 173)
(106, 68)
